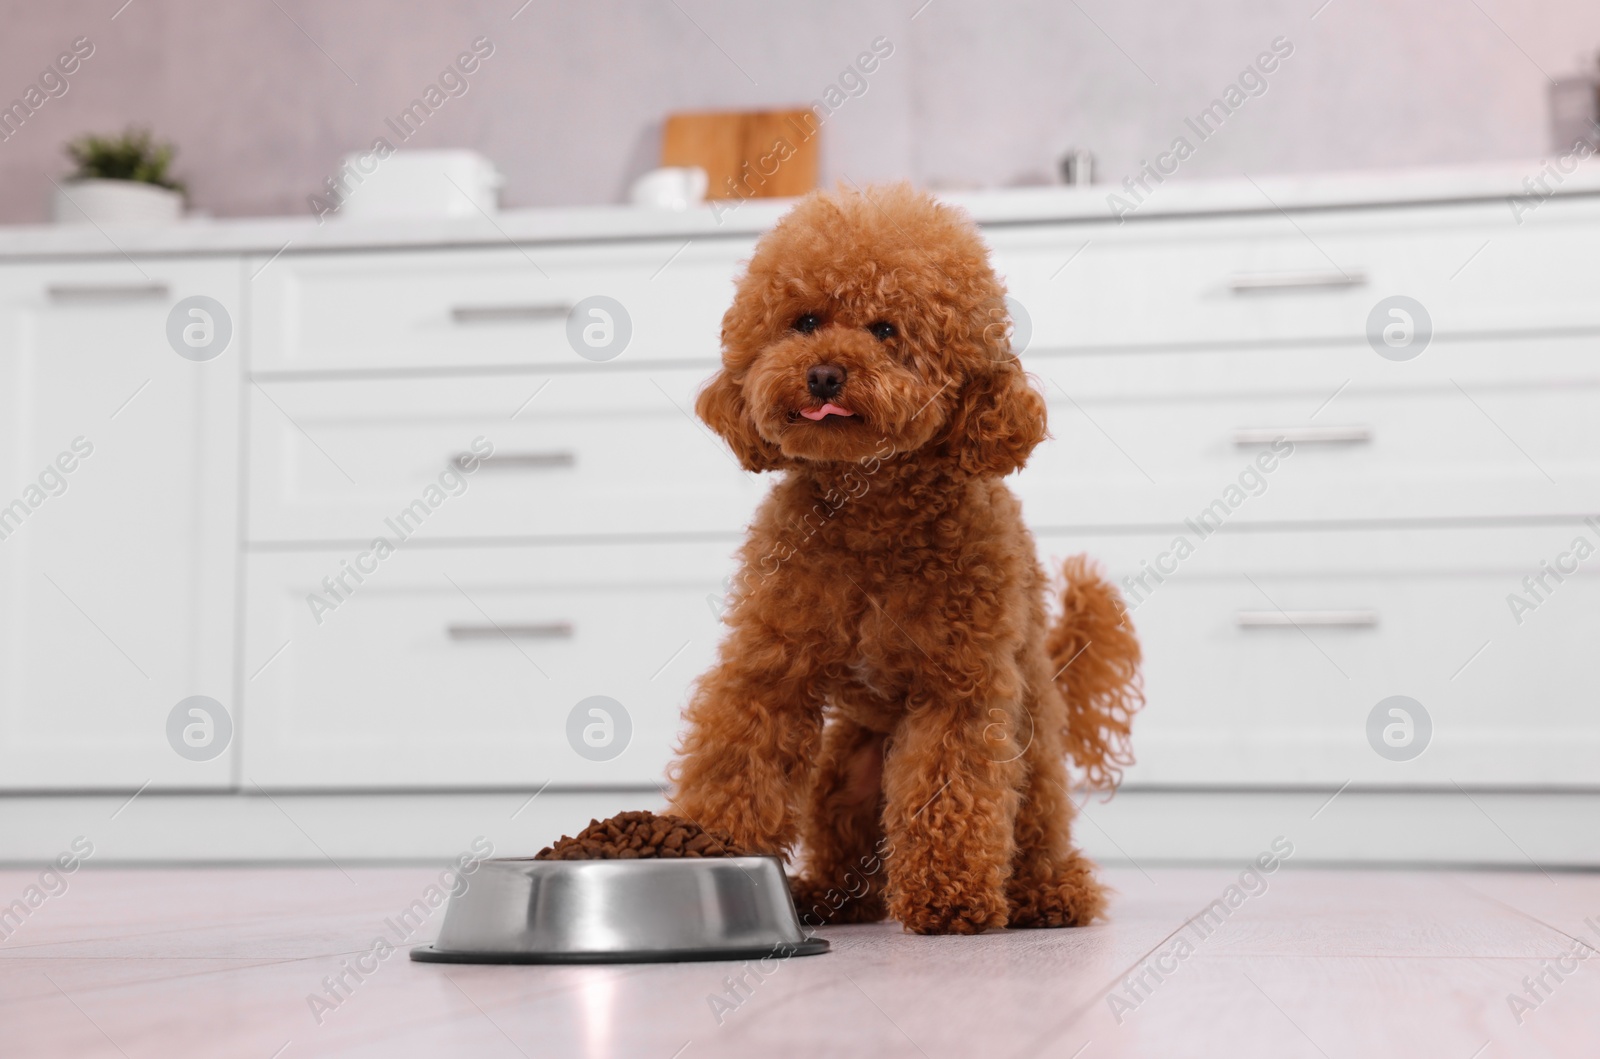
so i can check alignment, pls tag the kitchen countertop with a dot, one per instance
(244, 961)
(271, 235)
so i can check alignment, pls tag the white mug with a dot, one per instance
(670, 188)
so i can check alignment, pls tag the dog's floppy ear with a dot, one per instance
(998, 419)
(722, 406)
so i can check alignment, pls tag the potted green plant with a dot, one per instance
(123, 179)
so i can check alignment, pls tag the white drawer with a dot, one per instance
(593, 454)
(460, 667)
(1433, 449)
(1233, 703)
(1202, 282)
(416, 309)
(1316, 372)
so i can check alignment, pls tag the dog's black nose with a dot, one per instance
(825, 381)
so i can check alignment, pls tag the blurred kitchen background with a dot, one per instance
(351, 507)
(263, 99)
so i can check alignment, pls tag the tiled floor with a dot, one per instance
(225, 962)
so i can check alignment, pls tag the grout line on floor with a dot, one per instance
(1469, 888)
(1038, 1044)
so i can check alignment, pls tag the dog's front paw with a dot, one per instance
(1067, 896)
(1058, 903)
(950, 913)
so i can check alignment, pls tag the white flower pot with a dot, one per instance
(115, 202)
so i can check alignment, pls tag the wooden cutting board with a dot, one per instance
(746, 153)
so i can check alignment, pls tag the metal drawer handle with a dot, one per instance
(520, 461)
(106, 292)
(509, 314)
(555, 630)
(1303, 435)
(1280, 281)
(1256, 619)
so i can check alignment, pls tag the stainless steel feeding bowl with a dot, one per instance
(621, 911)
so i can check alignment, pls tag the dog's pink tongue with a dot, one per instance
(829, 409)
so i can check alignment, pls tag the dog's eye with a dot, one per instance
(882, 330)
(806, 323)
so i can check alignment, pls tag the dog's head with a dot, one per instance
(872, 320)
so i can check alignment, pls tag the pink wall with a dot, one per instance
(263, 98)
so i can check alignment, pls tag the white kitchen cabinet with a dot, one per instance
(599, 455)
(116, 578)
(587, 557)
(496, 306)
(461, 667)
(1239, 696)
(1267, 278)
(1483, 429)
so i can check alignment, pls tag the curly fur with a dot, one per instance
(1098, 658)
(890, 693)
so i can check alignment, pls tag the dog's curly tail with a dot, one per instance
(1095, 657)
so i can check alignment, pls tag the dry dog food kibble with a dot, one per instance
(632, 835)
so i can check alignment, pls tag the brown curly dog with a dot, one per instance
(891, 693)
